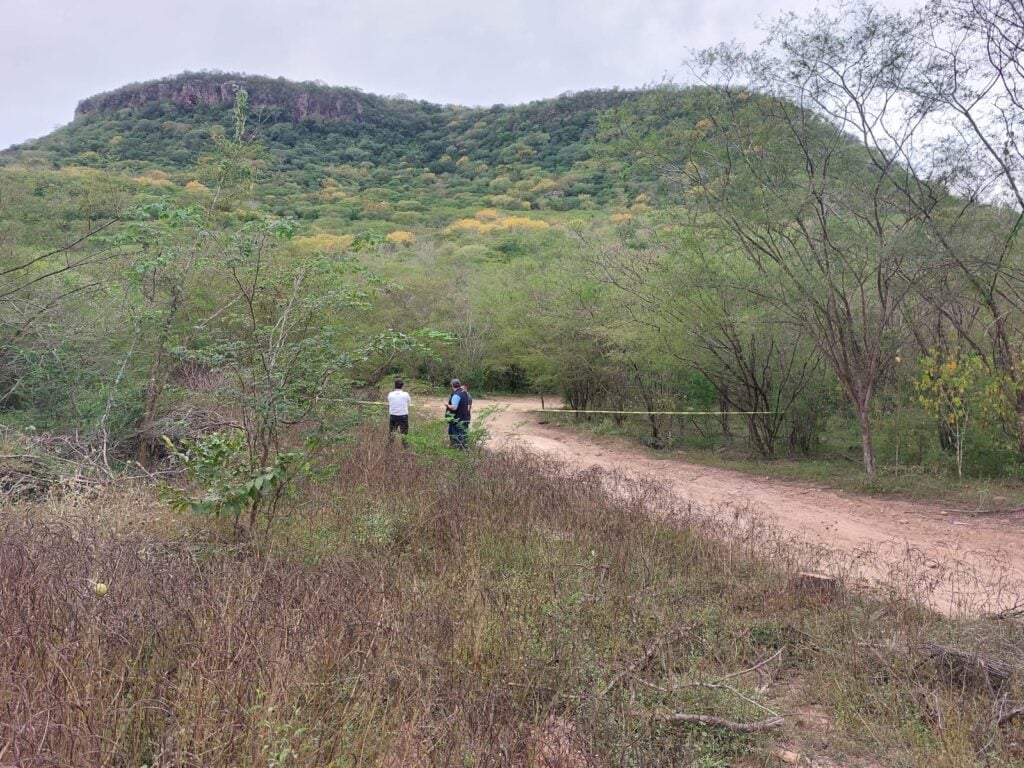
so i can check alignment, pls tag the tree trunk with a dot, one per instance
(1019, 410)
(655, 432)
(153, 389)
(761, 442)
(865, 437)
(723, 416)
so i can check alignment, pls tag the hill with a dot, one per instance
(309, 127)
(625, 249)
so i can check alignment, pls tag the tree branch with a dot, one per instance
(682, 718)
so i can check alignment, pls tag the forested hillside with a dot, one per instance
(310, 129)
(799, 238)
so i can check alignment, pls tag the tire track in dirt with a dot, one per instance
(974, 565)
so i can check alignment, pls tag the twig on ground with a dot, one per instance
(754, 668)
(679, 718)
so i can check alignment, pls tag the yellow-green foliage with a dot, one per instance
(82, 171)
(401, 237)
(487, 220)
(377, 209)
(323, 241)
(155, 178)
(330, 190)
(946, 385)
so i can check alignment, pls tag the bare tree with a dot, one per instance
(935, 99)
(707, 312)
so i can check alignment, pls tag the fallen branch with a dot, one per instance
(1014, 612)
(633, 668)
(738, 694)
(35, 459)
(681, 718)
(1004, 719)
(965, 668)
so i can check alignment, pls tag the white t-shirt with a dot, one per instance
(398, 402)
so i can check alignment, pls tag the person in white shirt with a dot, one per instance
(398, 410)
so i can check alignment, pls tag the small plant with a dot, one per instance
(280, 749)
(375, 528)
(221, 464)
(947, 389)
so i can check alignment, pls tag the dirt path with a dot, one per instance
(973, 564)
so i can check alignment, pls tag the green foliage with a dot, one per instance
(948, 388)
(620, 250)
(220, 465)
(306, 127)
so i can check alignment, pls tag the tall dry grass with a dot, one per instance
(484, 610)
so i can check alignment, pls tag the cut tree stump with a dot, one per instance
(816, 584)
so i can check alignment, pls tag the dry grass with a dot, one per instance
(421, 609)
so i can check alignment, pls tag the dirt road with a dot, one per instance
(972, 564)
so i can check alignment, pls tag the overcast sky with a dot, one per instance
(474, 52)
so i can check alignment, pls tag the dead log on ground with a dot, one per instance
(964, 668)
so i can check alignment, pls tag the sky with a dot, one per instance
(472, 52)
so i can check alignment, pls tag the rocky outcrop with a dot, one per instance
(293, 101)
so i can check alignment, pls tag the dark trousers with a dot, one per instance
(398, 424)
(458, 433)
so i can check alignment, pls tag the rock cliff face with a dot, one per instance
(293, 100)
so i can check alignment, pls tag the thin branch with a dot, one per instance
(63, 249)
(682, 718)
(757, 666)
(642, 663)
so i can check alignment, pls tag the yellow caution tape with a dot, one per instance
(620, 413)
(654, 413)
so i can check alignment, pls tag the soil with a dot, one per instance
(963, 564)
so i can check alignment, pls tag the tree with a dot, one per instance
(935, 99)
(795, 198)
(553, 324)
(701, 307)
(946, 388)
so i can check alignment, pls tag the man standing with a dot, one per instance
(398, 410)
(458, 412)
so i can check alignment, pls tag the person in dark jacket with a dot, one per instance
(458, 413)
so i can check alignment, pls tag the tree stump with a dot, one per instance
(814, 584)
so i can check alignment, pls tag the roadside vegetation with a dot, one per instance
(835, 463)
(418, 608)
